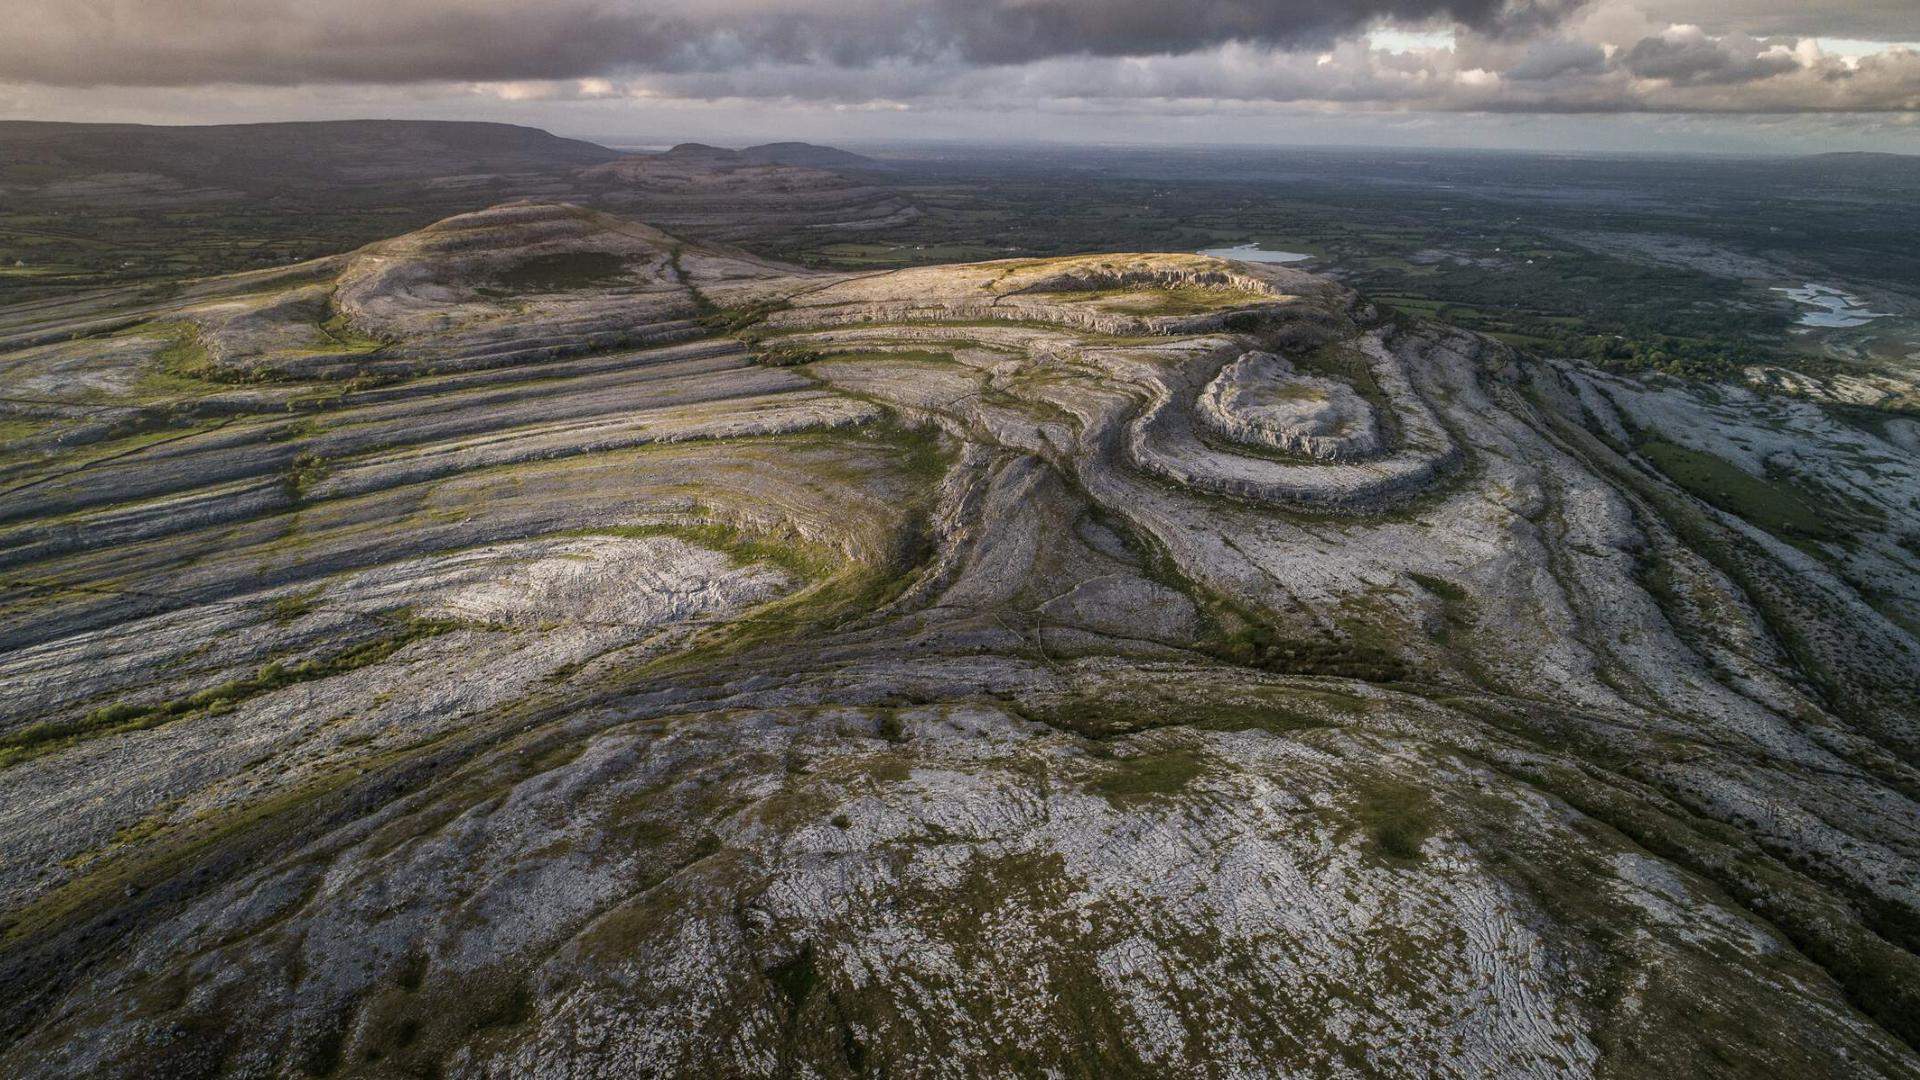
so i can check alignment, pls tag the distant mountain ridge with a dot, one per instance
(240, 196)
(141, 161)
(1864, 164)
(273, 155)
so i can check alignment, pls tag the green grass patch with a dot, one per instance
(16, 428)
(1149, 776)
(796, 978)
(1344, 363)
(562, 271)
(183, 367)
(1273, 712)
(1259, 646)
(872, 255)
(789, 355)
(734, 320)
(786, 354)
(1180, 300)
(1776, 506)
(924, 356)
(742, 548)
(1458, 613)
(338, 332)
(293, 605)
(1440, 587)
(1397, 818)
(183, 357)
(307, 470)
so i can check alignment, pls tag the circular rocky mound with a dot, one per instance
(1260, 399)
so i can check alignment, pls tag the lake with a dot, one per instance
(1835, 310)
(1254, 253)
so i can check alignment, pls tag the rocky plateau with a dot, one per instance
(546, 645)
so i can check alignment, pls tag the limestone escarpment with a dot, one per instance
(1119, 295)
(951, 671)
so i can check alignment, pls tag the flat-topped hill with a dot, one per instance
(808, 155)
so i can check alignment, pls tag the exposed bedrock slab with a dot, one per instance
(614, 593)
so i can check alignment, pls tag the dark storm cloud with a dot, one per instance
(1018, 31)
(189, 42)
(1556, 59)
(1694, 58)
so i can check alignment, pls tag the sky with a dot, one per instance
(1729, 76)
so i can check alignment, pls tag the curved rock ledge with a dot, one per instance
(1164, 441)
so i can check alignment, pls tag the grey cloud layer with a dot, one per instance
(187, 42)
(1669, 73)
(1511, 55)
(1873, 20)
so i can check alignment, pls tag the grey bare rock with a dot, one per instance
(543, 645)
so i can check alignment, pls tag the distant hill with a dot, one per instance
(693, 151)
(1865, 155)
(1876, 174)
(211, 200)
(809, 155)
(735, 194)
(256, 157)
(802, 155)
